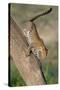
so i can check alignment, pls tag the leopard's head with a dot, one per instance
(43, 51)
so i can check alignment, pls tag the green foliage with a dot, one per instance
(15, 77)
(50, 66)
(51, 73)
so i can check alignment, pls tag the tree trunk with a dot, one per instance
(26, 65)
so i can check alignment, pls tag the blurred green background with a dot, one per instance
(47, 27)
(15, 79)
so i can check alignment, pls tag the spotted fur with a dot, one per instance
(36, 44)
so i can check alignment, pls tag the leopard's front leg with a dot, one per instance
(28, 51)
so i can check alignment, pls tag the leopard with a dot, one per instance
(35, 42)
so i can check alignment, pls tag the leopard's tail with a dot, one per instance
(42, 14)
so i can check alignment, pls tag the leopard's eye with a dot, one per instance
(39, 52)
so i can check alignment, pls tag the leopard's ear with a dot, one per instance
(46, 51)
